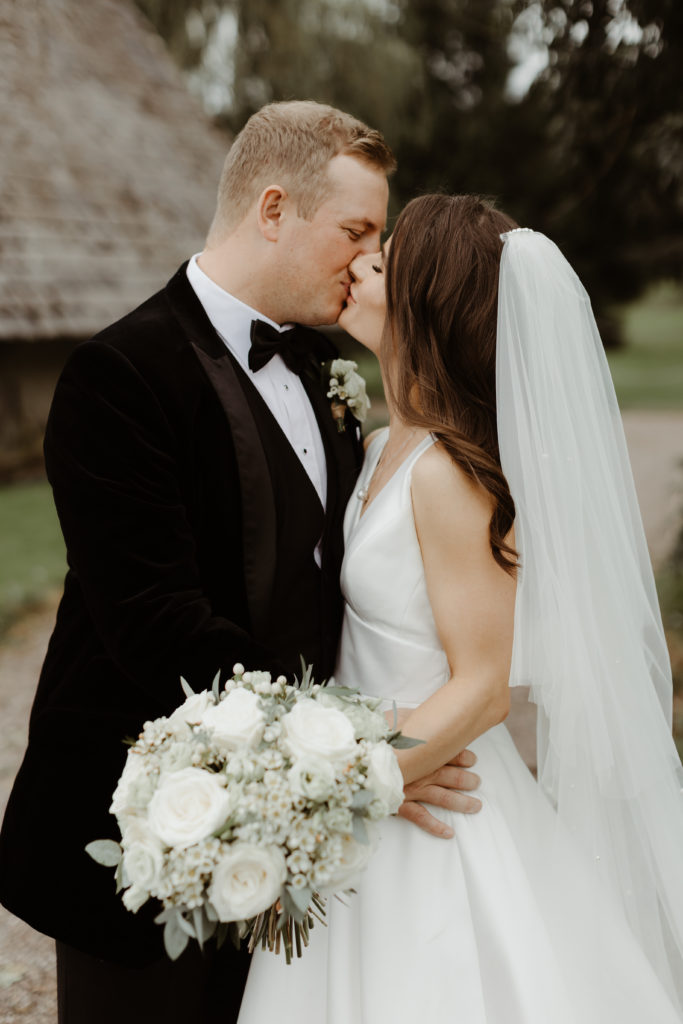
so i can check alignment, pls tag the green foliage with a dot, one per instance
(606, 169)
(32, 559)
(591, 154)
(648, 371)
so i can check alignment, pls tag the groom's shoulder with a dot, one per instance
(149, 328)
(148, 338)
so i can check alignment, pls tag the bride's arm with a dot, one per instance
(472, 599)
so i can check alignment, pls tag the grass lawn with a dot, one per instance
(648, 371)
(32, 559)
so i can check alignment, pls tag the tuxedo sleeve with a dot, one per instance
(113, 462)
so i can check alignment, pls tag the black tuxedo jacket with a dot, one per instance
(169, 512)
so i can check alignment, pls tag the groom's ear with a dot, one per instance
(271, 211)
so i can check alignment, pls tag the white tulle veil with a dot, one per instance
(588, 634)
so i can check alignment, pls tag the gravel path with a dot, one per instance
(27, 982)
(27, 986)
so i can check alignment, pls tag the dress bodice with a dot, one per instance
(390, 646)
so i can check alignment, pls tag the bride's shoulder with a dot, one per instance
(443, 493)
(372, 437)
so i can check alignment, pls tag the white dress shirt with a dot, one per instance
(281, 390)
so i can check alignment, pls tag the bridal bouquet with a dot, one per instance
(248, 805)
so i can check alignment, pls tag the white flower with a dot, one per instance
(135, 786)
(299, 862)
(348, 385)
(192, 711)
(188, 806)
(312, 777)
(134, 898)
(339, 819)
(248, 879)
(354, 859)
(143, 860)
(177, 755)
(310, 728)
(367, 723)
(236, 722)
(384, 776)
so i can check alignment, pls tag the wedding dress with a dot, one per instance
(483, 928)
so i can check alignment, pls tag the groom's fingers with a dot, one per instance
(465, 759)
(442, 796)
(455, 778)
(421, 817)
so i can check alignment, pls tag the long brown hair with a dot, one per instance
(440, 340)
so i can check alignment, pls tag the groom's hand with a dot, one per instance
(446, 787)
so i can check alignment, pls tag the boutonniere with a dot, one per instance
(346, 388)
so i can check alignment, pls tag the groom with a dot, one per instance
(200, 481)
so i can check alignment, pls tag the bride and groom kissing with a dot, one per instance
(210, 506)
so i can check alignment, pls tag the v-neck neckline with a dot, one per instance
(364, 511)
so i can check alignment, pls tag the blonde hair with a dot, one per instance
(291, 144)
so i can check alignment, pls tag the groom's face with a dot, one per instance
(316, 253)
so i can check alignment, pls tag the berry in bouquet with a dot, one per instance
(249, 805)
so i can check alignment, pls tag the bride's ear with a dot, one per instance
(271, 211)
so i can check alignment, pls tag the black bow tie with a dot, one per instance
(294, 346)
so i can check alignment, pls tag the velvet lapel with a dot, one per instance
(259, 529)
(343, 451)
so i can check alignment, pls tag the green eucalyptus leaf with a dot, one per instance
(187, 689)
(360, 832)
(119, 877)
(340, 691)
(301, 897)
(400, 742)
(186, 926)
(105, 851)
(216, 685)
(362, 799)
(176, 937)
(290, 907)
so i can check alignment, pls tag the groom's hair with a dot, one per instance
(291, 144)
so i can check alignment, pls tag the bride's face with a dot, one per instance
(365, 310)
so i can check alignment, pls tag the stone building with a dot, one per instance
(108, 174)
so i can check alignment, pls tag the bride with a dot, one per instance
(495, 540)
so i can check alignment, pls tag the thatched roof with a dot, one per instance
(108, 167)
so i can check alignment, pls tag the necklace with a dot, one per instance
(380, 471)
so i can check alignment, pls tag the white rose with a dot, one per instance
(360, 406)
(340, 367)
(247, 880)
(355, 857)
(135, 787)
(192, 711)
(367, 724)
(310, 728)
(384, 776)
(237, 721)
(188, 806)
(177, 755)
(142, 862)
(134, 898)
(312, 777)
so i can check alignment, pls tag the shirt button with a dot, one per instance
(305, 451)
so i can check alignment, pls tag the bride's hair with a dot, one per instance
(440, 339)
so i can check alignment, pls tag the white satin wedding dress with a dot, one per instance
(477, 929)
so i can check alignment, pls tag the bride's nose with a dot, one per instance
(358, 266)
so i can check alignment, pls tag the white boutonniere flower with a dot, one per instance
(345, 386)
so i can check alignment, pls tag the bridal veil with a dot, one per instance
(588, 633)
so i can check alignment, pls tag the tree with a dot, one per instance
(592, 153)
